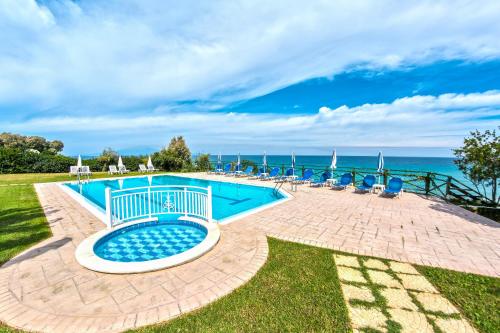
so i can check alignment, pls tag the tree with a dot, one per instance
(175, 157)
(202, 162)
(107, 158)
(56, 146)
(479, 160)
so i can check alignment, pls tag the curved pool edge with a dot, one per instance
(86, 256)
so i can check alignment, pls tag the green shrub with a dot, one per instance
(202, 162)
(15, 160)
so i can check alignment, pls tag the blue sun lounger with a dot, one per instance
(273, 174)
(322, 180)
(307, 177)
(394, 188)
(344, 182)
(227, 169)
(367, 185)
(248, 172)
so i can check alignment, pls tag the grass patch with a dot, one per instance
(476, 296)
(297, 290)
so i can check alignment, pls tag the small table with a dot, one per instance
(331, 181)
(264, 175)
(379, 187)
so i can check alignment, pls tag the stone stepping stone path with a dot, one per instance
(390, 296)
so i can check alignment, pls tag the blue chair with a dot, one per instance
(258, 175)
(273, 174)
(394, 188)
(368, 183)
(344, 182)
(227, 169)
(322, 180)
(285, 177)
(307, 177)
(248, 171)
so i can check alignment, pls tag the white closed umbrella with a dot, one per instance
(120, 162)
(380, 164)
(293, 164)
(264, 161)
(239, 162)
(219, 161)
(79, 162)
(150, 163)
(333, 166)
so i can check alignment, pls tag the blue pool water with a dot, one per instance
(228, 199)
(150, 241)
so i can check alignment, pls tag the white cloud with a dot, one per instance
(431, 121)
(121, 53)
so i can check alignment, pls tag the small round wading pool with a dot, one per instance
(147, 246)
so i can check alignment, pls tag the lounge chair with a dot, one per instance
(227, 169)
(272, 175)
(322, 180)
(113, 170)
(394, 188)
(247, 173)
(258, 175)
(151, 168)
(287, 176)
(367, 185)
(123, 169)
(307, 177)
(74, 170)
(85, 171)
(142, 168)
(344, 183)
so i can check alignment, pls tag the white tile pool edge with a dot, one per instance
(86, 256)
(100, 213)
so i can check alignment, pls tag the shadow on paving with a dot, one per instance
(39, 251)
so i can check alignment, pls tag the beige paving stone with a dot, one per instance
(454, 325)
(435, 303)
(375, 264)
(354, 292)
(411, 321)
(416, 282)
(383, 279)
(398, 299)
(350, 274)
(367, 318)
(349, 261)
(401, 267)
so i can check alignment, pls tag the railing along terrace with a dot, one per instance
(428, 183)
(153, 201)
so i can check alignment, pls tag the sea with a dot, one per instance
(442, 165)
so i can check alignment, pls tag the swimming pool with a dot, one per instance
(150, 241)
(229, 200)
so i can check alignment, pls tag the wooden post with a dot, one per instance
(386, 174)
(427, 183)
(303, 170)
(354, 177)
(448, 186)
(282, 169)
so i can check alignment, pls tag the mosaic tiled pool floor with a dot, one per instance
(149, 241)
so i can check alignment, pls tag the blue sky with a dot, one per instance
(411, 78)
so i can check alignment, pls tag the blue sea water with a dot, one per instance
(441, 165)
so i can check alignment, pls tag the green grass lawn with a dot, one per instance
(478, 297)
(296, 290)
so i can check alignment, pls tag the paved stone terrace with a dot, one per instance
(44, 288)
(410, 229)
